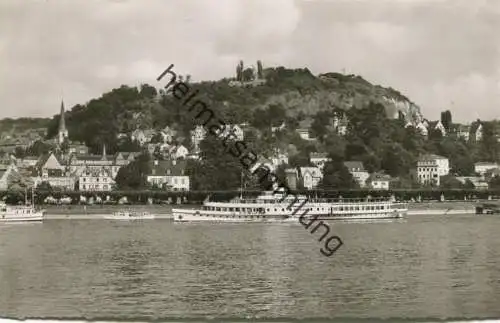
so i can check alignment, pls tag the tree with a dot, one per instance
(336, 176)
(157, 138)
(44, 186)
(495, 183)
(19, 152)
(489, 146)
(260, 74)
(38, 148)
(217, 169)
(148, 91)
(133, 175)
(450, 182)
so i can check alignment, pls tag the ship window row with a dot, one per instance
(234, 216)
(335, 208)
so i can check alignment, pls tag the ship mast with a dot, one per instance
(241, 185)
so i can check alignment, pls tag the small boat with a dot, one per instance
(130, 215)
(21, 213)
(488, 208)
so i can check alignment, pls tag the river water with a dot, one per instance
(419, 267)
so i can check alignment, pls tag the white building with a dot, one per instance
(179, 151)
(318, 159)
(430, 168)
(169, 175)
(236, 129)
(463, 131)
(439, 126)
(143, 136)
(479, 132)
(197, 135)
(483, 167)
(168, 134)
(304, 134)
(95, 180)
(311, 176)
(279, 159)
(341, 124)
(379, 181)
(422, 128)
(357, 170)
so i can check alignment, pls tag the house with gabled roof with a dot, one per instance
(52, 169)
(310, 176)
(169, 175)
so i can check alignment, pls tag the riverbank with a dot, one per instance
(97, 211)
(165, 211)
(442, 208)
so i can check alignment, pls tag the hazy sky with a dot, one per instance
(441, 54)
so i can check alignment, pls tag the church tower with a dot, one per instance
(63, 132)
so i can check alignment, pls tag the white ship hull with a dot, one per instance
(14, 217)
(193, 215)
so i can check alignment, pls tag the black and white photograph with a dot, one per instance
(249, 160)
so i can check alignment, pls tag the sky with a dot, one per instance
(442, 54)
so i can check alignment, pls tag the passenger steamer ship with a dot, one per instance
(270, 207)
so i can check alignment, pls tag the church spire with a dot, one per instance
(62, 121)
(63, 132)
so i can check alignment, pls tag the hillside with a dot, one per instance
(298, 91)
(9, 125)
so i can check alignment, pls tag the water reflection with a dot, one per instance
(424, 266)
